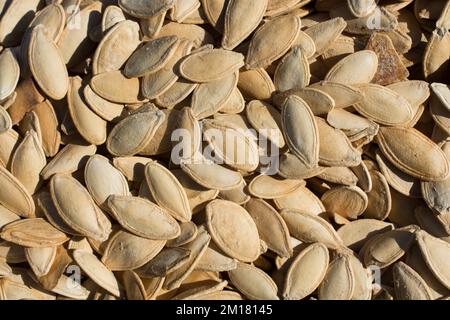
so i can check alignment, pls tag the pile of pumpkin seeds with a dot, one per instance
(347, 198)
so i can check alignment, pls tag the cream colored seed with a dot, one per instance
(224, 149)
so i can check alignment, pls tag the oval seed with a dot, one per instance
(267, 120)
(98, 170)
(408, 284)
(271, 227)
(413, 153)
(384, 106)
(254, 283)
(126, 251)
(241, 19)
(40, 259)
(357, 68)
(132, 134)
(151, 57)
(52, 77)
(272, 40)
(355, 233)
(269, 187)
(88, 123)
(107, 58)
(143, 218)
(339, 282)
(33, 232)
(144, 9)
(301, 131)
(293, 71)
(306, 272)
(69, 196)
(28, 162)
(10, 73)
(14, 196)
(210, 65)
(226, 222)
(167, 191)
(348, 201)
(310, 228)
(97, 271)
(106, 84)
(434, 251)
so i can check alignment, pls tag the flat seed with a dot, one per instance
(167, 191)
(209, 98)
(269, 187)
(357, 232)
(301, 131)
(325, 33)
(413, 153)
(239, 225)
(74, 43)
(212, 176)
(126, 251)
(384, 106)
(144, 9)
(107, 57)
(132, 134)
(143, 218)
(133, 286)
(157, 83)
(433, 251)
(344, 71)
(335, 149)
(272, 40)
(14, 196)
(69, 196)
(241, 19)
(267, 120)
(379, 198)
(235, 147)
(15, 19)
(293, 71)
(271, 227)
(48, 124)
(384, 249)
(291, 167)
(339, 282)
(106, 84)
(435, 59)
(5, 121)
(210, 65)
(306, 272)
(98, 169)
(256, 84)
(343, 95)
(182, 10)
(191, 32)
(102, 107)
(10, 73)
(319, 102)
(28, 162)
(70, 159)
(339, 175)
(52, 78)
(254, 283)
(301, 199)
(310, 228)
(350, 202)
(40, 259)
(33, 232)
(88, 123)
(168, 260)
(97, 271)
(151, 57)
(408, 284)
